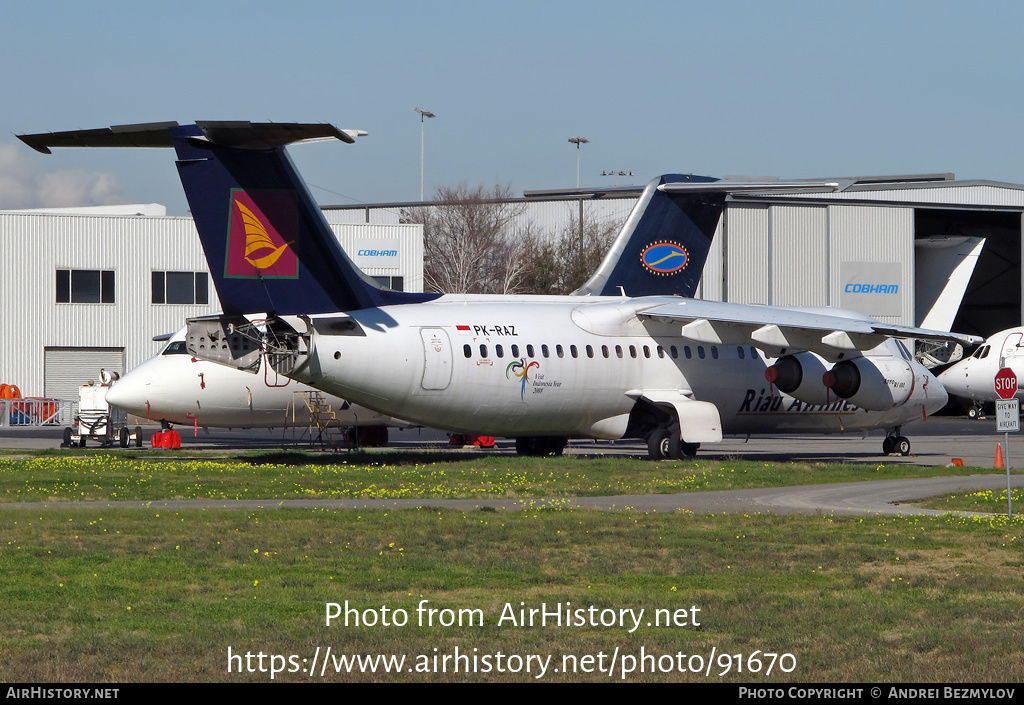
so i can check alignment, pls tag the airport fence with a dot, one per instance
(37, 412)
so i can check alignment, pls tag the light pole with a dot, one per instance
(423, 114)
(616, 174)
(578, 141)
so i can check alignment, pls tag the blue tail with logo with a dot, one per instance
(267, 243)
(662, 247)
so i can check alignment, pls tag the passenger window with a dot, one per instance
(515, 350)
(558, 351)
(632, 351)
(647, 352)
(467, 350)
(739, 351)
(674, 352)
(714, 351)
(573, 351)
(700, 351)
(499, 351)
(590, 351)
(529, 350)
(618, 351)
(687, 352)
(753, 353)
(544, 350)
(483, 351)
(661, 351)
(604, 350)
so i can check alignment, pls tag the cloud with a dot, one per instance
(22, 187)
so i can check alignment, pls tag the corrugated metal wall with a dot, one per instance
(410, 250)
(794, 255)
(962, 193)
(35, 246)
(746, 254)
(799, 244)
(874, 234)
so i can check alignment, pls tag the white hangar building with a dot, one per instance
(87, 288)
(896, 247)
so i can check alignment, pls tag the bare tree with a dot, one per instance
(470, 241)
(563, 263)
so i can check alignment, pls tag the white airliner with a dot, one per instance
(174, 387)
(974, 377)
(675, 371)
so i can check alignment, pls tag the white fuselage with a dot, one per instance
(571, 366)
(176, 387)
(974, 377)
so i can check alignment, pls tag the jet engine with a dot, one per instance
(800, 377)
(873, 384)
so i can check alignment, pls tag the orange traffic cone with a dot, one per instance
(999, 456)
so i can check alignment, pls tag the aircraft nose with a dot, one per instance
(128, 394)
(938, 393)
(954, 380)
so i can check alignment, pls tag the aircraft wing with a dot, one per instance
(781, 331)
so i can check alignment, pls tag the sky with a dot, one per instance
(788, 89)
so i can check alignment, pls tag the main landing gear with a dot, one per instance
(895, 443)
(538, 446)
(666, 444)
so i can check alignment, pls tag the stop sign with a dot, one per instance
(1006, 383)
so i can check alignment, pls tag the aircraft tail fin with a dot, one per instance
(267, 243)
(664, 243)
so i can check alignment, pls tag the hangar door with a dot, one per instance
(67, 369)
(993, 298)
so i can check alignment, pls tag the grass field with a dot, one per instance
(993, 501)
(146, 595)
(390, 475)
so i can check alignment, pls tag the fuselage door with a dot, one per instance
(437, 358)
(1011, 346)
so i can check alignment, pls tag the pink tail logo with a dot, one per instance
(263, 226)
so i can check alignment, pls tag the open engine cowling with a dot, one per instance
(873, 384)
(800, 377)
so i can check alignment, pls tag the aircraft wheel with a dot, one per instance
(688, 451)
(122, 437)
(888, 444)
(67, 438)
(540, 446)
(554, 445)
(138, 436)
(972, 412)
(658, 444)
(530, 446)
(902, 445)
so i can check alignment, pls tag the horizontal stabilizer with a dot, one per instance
(238, 134)
(266, 241)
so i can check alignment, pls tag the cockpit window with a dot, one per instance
(982, 352)
(177, 347)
